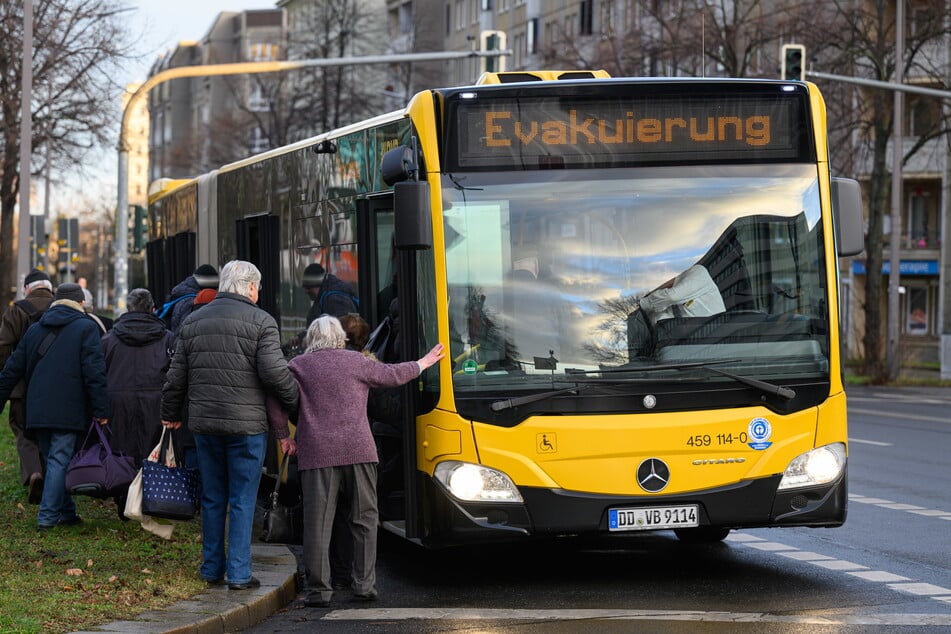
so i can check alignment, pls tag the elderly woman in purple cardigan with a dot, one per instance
(336, 454)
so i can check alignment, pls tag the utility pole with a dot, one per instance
(893, 362)
(242, 68)
(26, 146)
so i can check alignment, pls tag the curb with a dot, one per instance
(219, 610)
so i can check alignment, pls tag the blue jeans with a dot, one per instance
(57, 448)
(230, 468)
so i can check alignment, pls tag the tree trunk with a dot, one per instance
(879, 195)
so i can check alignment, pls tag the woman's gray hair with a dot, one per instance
(325, 332)
(140, 301)
(236, 276)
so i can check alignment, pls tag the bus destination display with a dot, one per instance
(558, 132)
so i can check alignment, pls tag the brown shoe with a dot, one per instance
(35, 487)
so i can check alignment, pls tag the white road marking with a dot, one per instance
(476, 614)
(897, 506)
(880, 414)
(921, 589)
(870, 442)
(893, 581)
(878, 575)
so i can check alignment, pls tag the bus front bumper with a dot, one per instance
(555, 512)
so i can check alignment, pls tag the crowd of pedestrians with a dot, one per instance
(218, 378)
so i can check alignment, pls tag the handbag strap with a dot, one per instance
(163, 446)
(281, 472)
(103, 436)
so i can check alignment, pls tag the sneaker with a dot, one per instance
(316, 600)
(35, 488)
(366, 596)
(220, 581)
(75, 520)
(250, 584)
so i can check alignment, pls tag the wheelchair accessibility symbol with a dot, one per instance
(546, 443)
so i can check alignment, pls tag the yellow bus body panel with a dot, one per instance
(600, 454)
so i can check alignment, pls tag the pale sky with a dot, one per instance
(156, 26)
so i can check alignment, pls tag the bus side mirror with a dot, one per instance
(413, 227)
(398, 164)
(847, 216)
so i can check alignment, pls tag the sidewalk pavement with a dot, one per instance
(219, 610)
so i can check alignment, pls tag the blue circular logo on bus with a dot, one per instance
(759, 431)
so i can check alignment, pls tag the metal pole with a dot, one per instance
(893, 364)
(26, 146)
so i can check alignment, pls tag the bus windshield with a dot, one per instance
(554, 274)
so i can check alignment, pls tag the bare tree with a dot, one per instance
(858, 39)
(76, 44)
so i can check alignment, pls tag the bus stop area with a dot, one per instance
(219, 609)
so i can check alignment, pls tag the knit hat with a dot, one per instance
(204, 296)
(70, 291)
(314, 276)
(35, 275)
(206, 276)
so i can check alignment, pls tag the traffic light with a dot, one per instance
(492, 41)
(794, 62)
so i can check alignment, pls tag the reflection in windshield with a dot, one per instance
(647, 267)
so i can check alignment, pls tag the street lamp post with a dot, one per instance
(241, 68)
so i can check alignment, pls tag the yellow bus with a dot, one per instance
(636, 279)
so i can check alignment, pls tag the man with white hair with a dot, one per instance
(38, 292)
(227, 361)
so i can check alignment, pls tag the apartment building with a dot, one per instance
(200, 123)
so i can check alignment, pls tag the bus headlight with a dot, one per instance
(475, 483)
(819, 466)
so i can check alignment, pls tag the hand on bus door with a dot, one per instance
(432, 357)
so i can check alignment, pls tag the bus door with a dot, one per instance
(258, 242)
(388, 274)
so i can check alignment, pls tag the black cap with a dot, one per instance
(314, 276)
(206, 276)
(70, 291)
(35, 275)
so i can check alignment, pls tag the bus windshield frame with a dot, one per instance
(552, 277)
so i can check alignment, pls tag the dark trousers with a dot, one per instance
(321, 489)
(30, 460)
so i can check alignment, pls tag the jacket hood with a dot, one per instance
(62, 312)
(186, 286)
(138, 329)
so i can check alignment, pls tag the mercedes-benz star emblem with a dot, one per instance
(653, 475)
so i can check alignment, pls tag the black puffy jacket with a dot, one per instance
(227, 359)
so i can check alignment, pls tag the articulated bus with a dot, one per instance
(636, 280)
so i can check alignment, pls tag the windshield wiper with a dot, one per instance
(769, 388)
(509, 403)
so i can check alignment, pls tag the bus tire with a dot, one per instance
(701, 534)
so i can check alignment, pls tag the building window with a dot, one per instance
(448, 19)
(486, 5)
(916, 309)
(586, 24)
(257, 99)
(532, 35)
(922, 115)
(262, 52)
(460, 15)
(258, 141)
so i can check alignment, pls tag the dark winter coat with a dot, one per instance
(137, 351)
(227, 360)
(68, 386)
(13, 326)
(182, 309)
(336, 298)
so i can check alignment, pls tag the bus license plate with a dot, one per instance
(653, 518)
